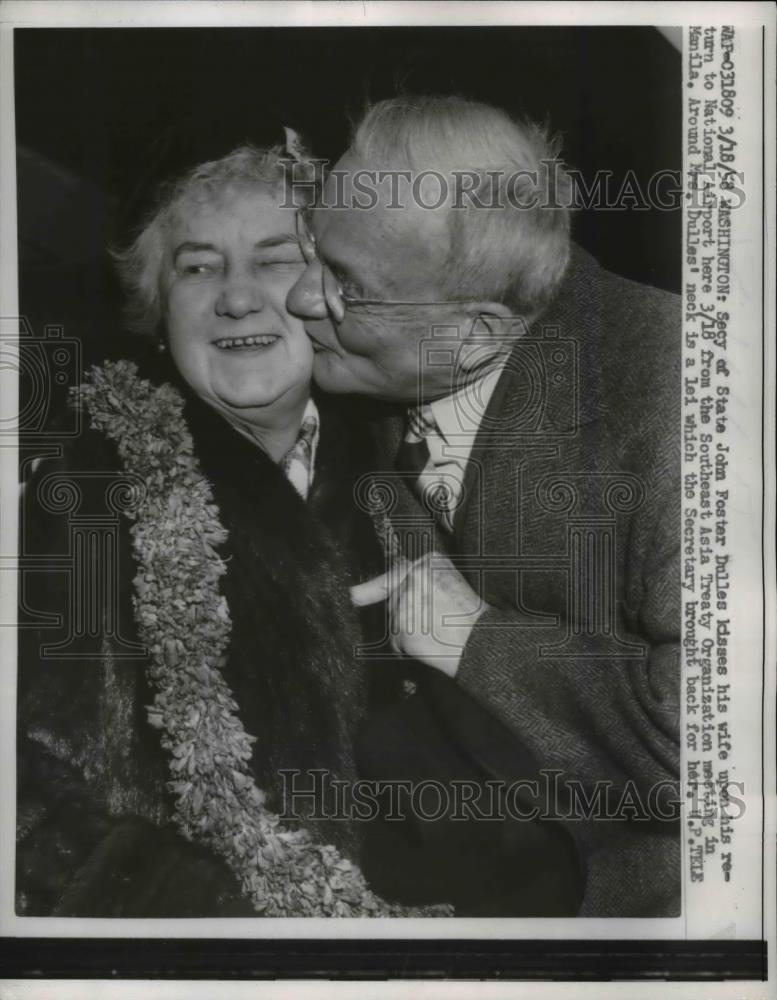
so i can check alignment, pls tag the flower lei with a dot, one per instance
(185, 623)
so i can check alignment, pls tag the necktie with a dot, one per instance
(297, 463)
(414, 457)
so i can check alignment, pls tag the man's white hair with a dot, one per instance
(515, 253)
(140, 264)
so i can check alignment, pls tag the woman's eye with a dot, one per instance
(197, 268)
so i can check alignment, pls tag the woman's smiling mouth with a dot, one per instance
(258, 340)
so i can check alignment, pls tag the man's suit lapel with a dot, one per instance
(550, 389)
(490, 478)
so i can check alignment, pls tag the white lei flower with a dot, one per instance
(185, 623)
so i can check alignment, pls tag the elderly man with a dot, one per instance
(539, 439)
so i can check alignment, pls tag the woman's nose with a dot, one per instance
(306, 297)
(239, 296)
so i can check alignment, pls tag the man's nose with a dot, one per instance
(239, 296)
(306, 297)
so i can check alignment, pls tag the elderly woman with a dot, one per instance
(207, 641)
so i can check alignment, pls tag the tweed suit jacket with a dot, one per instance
(569, 531)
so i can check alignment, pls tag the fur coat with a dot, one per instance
(95, 836)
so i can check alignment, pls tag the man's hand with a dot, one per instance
(432, 609)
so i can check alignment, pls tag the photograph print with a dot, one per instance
(349, 553)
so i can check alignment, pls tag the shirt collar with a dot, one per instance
(459, 415)
(300, 469)
(311, 410)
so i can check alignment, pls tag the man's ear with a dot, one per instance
(492, 331)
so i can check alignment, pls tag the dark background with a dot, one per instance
(102, 115)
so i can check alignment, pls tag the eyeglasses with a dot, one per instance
(337, 302)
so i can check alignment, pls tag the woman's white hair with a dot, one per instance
(140, 264)
(514, 252)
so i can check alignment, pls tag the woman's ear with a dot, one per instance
(493, 330)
